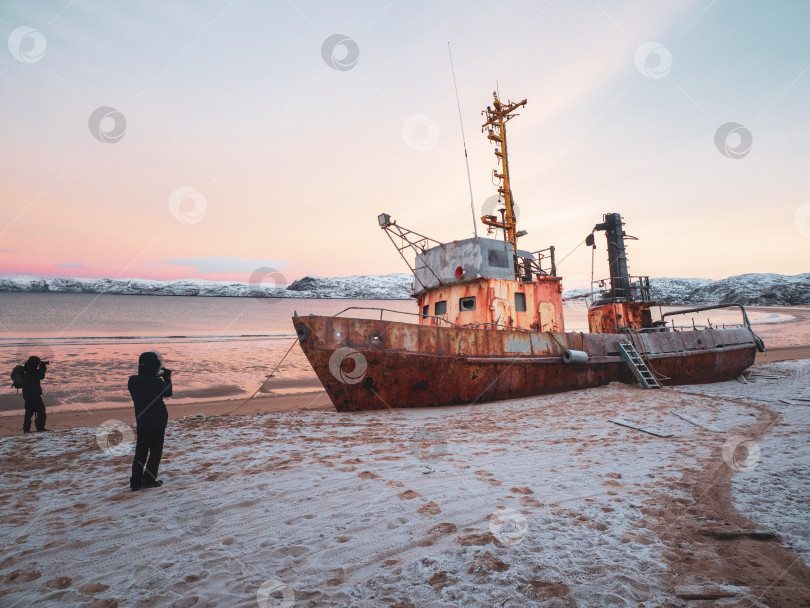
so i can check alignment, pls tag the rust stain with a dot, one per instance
(410, 365)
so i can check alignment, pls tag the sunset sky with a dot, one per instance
(240, 135)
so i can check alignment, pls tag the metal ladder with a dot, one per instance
(634, 361)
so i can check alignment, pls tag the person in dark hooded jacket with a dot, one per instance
(148, 390)
(33, 372)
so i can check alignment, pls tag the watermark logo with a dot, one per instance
(115, 438)
(276, 590)
(733, 140)
(802, 220)
(740, 453)
(338, 365)
(653, 60)
(420, 132)
(263, 281)
(426, 445)
(493, 203)
(107, 125)
(508, 526)
(26, 44)
(187, 205)
(340, 52)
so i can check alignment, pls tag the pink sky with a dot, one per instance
(295, 159)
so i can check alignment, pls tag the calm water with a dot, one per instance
(218, 347)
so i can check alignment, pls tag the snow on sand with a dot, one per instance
(529, 502)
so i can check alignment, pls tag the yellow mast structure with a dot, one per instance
(497, 117)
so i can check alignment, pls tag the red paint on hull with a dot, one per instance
(369, 364)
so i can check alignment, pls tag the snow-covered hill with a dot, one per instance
(750, 289)
(386, 287)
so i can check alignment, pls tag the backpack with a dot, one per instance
(17, 377)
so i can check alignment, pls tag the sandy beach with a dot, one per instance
(540, 501)
(281, 501)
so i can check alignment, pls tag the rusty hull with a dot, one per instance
(373, 364)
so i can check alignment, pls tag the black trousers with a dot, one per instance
(148, 451)
(34, 405)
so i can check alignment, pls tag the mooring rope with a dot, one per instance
(289, 350)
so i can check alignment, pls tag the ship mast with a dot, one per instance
(497, 117)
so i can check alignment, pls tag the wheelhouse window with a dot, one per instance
(498, 258)
(425, 310)
(466, 304)
(440, 308)
(520, 302)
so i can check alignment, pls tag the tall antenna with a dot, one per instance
(464, 141)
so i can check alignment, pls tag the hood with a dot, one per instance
(149, 363)
(32, 364)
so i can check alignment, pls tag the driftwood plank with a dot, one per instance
(691, 420)
(630, 425)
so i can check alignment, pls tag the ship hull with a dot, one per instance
(374, 364)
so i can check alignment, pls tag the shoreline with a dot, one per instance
(11, 421)
(61, 421)
(309, 399)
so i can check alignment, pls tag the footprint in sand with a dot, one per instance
(408, 495)
(430, 508)
(487, 477)
(103, 603)
(60, 582)
(93, 588)
(397, 522)
(295, 550)
(23, 575)
(528, 501)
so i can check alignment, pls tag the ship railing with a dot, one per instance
(661, 325)
(437, 318)
(637, 291)
(399, 312)
(683, 311)
(693, 327)
(536, 263)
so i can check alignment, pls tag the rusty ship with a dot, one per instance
(489, 323)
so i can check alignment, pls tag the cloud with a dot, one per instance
(70, 265)
(7, 251)
(208, 265)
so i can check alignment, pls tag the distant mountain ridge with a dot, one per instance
(752, 289)
(384, 287)
(748, 289)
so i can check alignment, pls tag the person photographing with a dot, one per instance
(148, 388)
(34, 372)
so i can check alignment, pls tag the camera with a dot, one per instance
(164, 372)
